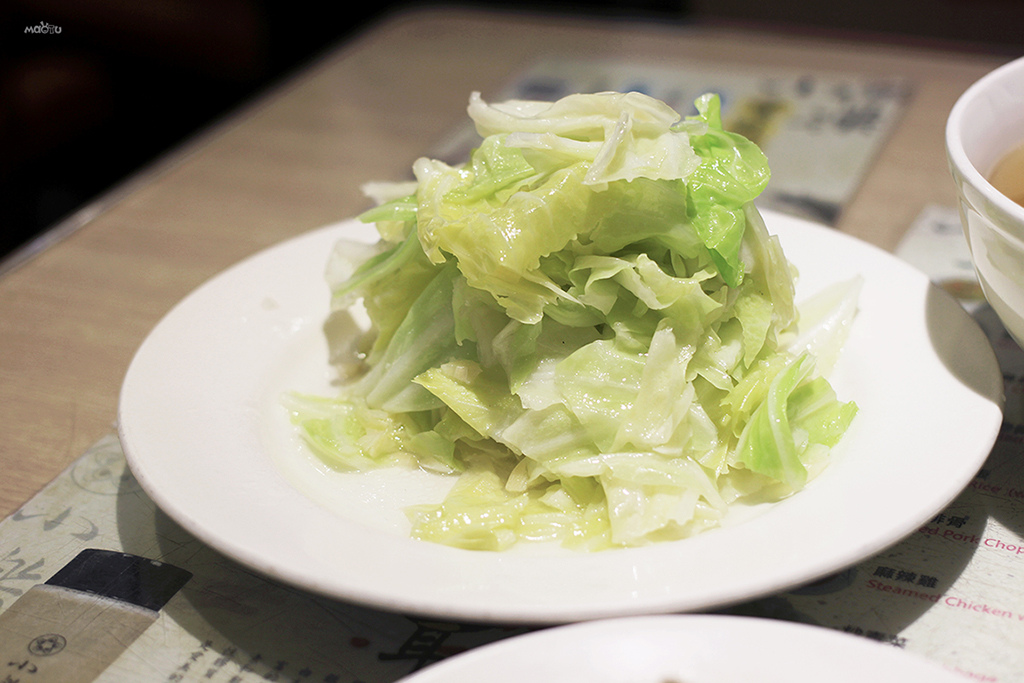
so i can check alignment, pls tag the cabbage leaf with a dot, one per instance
(587, 323)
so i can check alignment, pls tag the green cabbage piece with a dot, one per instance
(589, 325)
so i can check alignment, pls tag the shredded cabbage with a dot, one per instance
(589, 325)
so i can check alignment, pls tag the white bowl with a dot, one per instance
(985, 124)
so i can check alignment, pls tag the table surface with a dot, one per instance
(293, 160)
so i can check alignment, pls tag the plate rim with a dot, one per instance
(796, 636)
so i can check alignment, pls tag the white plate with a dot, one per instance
(685, 649)
(205, 433)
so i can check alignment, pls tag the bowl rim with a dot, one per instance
(954, 142)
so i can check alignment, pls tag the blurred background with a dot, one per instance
(92, 91)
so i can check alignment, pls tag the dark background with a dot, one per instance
(126, 80)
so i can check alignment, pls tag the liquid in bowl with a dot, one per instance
(1008, 175)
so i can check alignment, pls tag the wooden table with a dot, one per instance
(74, 314)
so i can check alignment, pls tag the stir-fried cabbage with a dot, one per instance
(588, 325)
